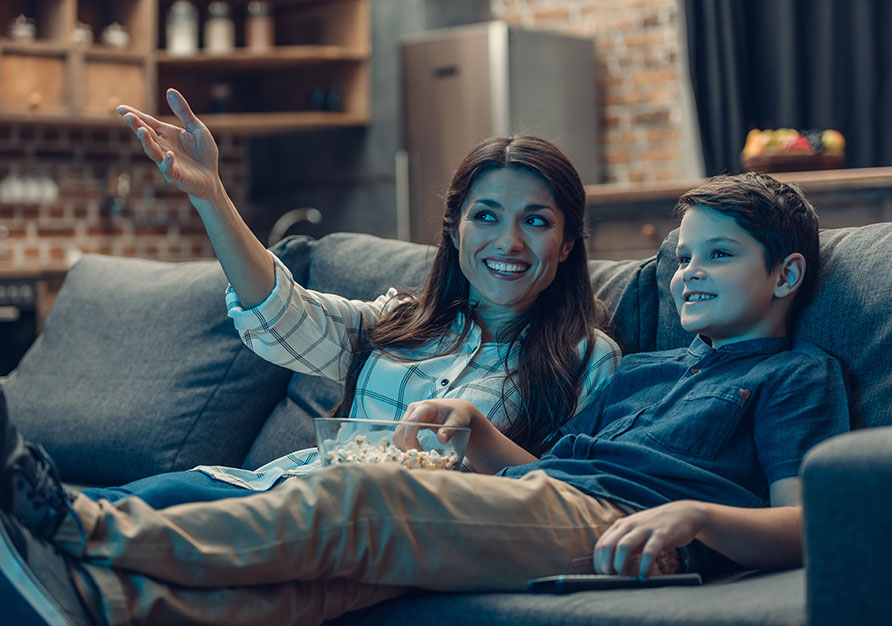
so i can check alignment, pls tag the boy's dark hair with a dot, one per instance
(776, 214)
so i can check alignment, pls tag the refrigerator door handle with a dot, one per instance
(403, 214)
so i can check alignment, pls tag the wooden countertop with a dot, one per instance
(821, 180)
(37, 271)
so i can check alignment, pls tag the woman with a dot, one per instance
(507, 319)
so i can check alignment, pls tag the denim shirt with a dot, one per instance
(718, 425)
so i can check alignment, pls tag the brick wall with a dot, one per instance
(638, 48)
(111, 198)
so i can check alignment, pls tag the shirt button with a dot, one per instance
(695, 370)
(444, 382)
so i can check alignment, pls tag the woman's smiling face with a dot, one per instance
(510, 240)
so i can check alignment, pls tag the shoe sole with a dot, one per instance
(24, 599)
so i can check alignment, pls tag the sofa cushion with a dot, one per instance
(290, 426)
(848, 317)
(139, 371)
(774, 599)
(628, 289)
(364, 266)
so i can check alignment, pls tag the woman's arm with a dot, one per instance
(187, 157)
(488, 449)
(762, 538)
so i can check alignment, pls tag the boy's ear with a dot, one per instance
(791, 273)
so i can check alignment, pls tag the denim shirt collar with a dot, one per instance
(700, 347)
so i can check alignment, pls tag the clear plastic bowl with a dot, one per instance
(345, 440)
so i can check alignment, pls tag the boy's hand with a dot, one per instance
(645, 535)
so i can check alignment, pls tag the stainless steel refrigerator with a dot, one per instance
(463, 84)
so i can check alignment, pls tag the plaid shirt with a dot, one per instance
(312, 332)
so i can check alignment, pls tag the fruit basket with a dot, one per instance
(788, 150)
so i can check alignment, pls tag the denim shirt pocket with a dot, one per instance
(701, 422)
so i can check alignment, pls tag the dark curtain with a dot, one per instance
(791, 63)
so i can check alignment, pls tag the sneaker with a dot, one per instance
(37, 587)
(30, 487)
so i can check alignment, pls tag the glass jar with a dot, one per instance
(219, 30)
(259, 30)
(182, 29)
(221, 98)
(83, 34)
(22, 29)
(116, 36)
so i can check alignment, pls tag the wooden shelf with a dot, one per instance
(269, 123)
(37, 47)
(281, 56)
(819, 180)
(630, 221)
(112, 55)
(321, 46)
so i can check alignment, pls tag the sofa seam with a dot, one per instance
(203, 408)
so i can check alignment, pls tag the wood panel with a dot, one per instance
(34, 82)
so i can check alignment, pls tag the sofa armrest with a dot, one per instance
(847, 497)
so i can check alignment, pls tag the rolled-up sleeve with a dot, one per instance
(304, 330)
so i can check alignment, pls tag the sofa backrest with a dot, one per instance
(139, 371)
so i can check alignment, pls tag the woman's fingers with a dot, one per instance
(132, 116)
(405, 437)
(142, 126)
(150, 145)
(166, 166)
(182, 110)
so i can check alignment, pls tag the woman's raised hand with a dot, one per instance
(187, 156)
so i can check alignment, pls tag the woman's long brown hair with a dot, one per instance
(549, 366)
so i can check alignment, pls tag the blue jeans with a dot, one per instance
(164, 490)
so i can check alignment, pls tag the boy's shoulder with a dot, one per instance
(809, 356)
(779, 349)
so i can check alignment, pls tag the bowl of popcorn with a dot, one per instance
(346, 440)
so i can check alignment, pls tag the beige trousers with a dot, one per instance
(338, 540)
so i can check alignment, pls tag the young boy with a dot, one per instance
(689, 447)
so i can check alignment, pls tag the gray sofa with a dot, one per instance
(139, 371)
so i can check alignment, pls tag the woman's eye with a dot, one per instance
(484, 216)
(537, 220)
(718, 254)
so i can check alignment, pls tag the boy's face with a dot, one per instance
(722, 289)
